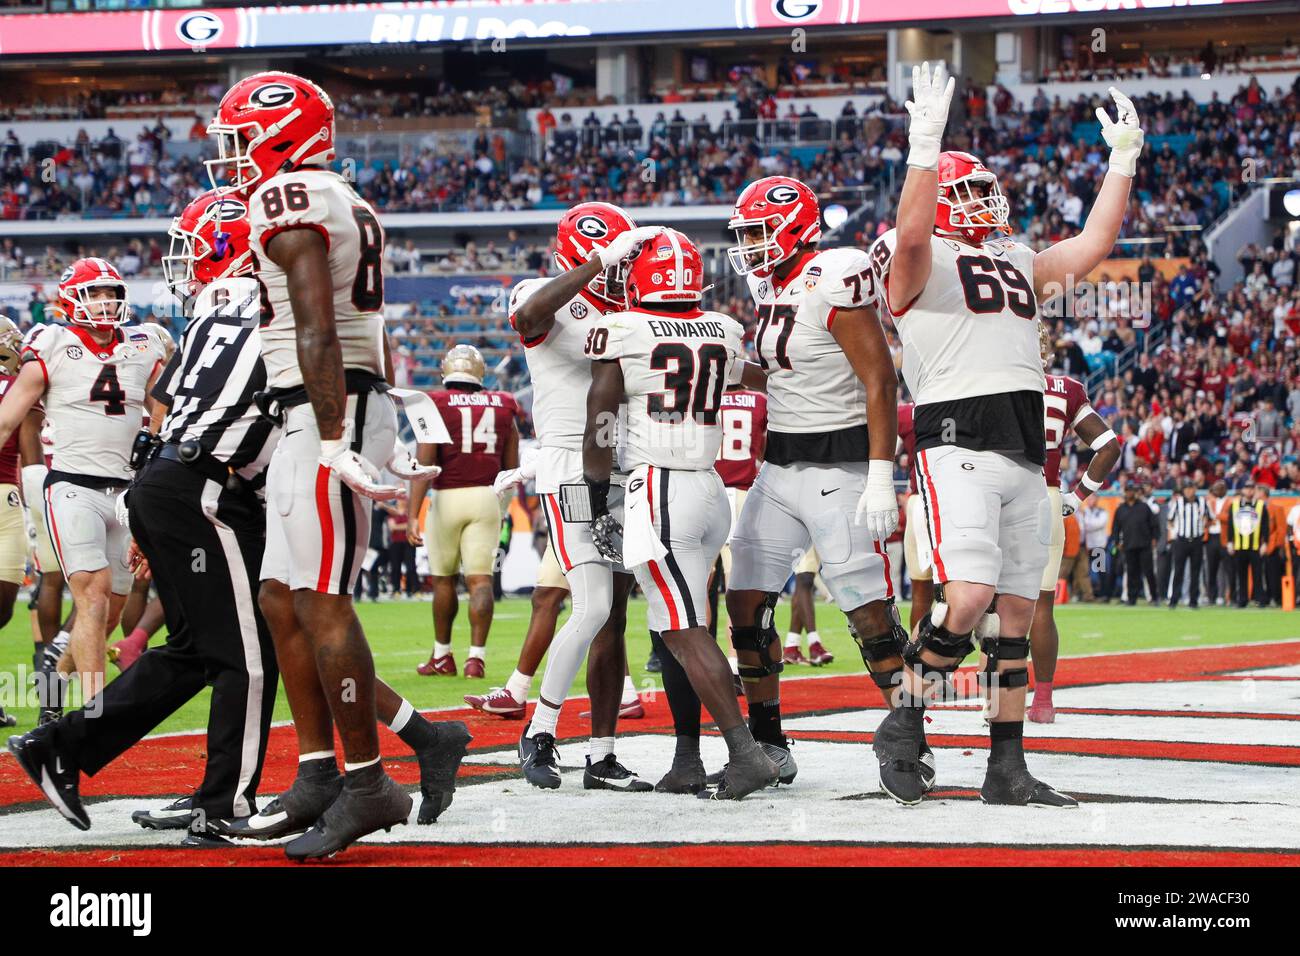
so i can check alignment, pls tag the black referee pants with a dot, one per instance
(204, 546)
(1187, 551)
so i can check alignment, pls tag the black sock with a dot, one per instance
(687, 750)
(1007, 741)
(321, 769)
(364, 777)
(682, 699)
(765, 722)
(418, 733)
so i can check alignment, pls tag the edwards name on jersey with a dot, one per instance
(675, 368)
(970, 346)
(817, 406)
(321, 200)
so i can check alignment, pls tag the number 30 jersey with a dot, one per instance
(94, 395)
(320, 200)
(675, 367)
(970, 346)
(817, 406)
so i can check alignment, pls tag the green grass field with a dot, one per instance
(401, 634)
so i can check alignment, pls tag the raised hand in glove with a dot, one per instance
(931, 96)
(405, 465)
(622, 245)
(1123, 135)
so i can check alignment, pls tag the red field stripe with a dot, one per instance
(1092, 747)
(695, 855)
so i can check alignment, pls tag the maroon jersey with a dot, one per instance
(478, 423)
(9, 453)
(744, 433)
(1065, 404)
(907, 435)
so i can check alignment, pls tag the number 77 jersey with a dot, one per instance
(323, 201)
(675, 368)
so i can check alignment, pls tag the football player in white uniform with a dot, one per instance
(670, 362)
(965, 305)
(553, 318)
(318, 252)
(827, 476)
(94, 377)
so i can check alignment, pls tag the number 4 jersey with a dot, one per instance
(94, 395)
(970, 346)
(320, 200)
(675, 367)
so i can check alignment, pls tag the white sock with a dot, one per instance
(600, 747)
(734, 664)
(401, 717)
(479, 652)
(349, 767)
(629, 691)
(813, 638)
(518, 685)
(316, 755)
(792, 639)
(545, 719)
(441, 650)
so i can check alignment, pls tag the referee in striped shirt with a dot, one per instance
(1189, 517)
(199, 523)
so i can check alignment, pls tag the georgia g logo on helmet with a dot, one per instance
(67, 275)
(591, 227)
(271, 95)
(781, 195)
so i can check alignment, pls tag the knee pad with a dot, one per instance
(939, 641)
(758, 637)
(881, 647)
(1005, 649)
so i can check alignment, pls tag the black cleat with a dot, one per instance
(787, 769)
(56, 775)
(205, 841)
(175, 816)
(608, 774)
(438, 766)
(653, 664)
(686, 775)
(744, 774)
(7, 720)
(49, 715)
(289, 814)
(897, 746)
(537, 759)
(738, 684)
(359, 810)
(1012, 785)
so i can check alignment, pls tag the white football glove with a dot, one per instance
(1070, 503)
(506, 480)
(621, 246)
(353, 470)
(1124, 136)
(405, 465)
(931, 95)
(878, 506)
(34, 486)
(120, 511)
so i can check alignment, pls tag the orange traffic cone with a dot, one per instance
(1288, 593)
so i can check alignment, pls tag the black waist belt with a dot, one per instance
(355, 380)
(98, 482)
(193, 456)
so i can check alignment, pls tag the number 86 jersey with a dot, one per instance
(675, 367)
(321, 200)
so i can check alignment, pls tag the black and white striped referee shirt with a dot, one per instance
(208, 385)
(1188, 518)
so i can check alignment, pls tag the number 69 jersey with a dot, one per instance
(817, 406)
(321, 200)
(94, 395)
(675, 367)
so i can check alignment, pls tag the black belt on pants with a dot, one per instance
(204, 463)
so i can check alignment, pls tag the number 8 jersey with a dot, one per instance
(675, 368)
(321, 200)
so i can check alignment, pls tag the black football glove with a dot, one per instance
(606, 532)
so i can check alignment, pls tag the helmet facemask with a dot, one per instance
(756, 244)
(97, 311)
(234, 147)
(975, 203)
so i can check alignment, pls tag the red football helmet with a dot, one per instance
(786, 212)
(209, 241)
(583, 229)
(667, 269)
(267, 123)
(970, 202)
(78, 303)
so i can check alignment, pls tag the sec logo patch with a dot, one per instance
(578, 310)
(75, 352)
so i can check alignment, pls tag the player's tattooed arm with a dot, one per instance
(303, 256)
(26, 391)
(601, 433)
(858, 332)
(536, 315)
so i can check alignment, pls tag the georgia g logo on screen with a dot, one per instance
(199, 29)
(793, 11)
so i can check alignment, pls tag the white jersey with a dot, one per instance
(675, 368)
(970, 346)
(811, 387)
(558, 367)
(321, 200)
(94, 396)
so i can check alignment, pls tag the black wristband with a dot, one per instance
(599, 491)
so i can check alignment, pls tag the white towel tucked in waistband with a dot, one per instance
(640, 541)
